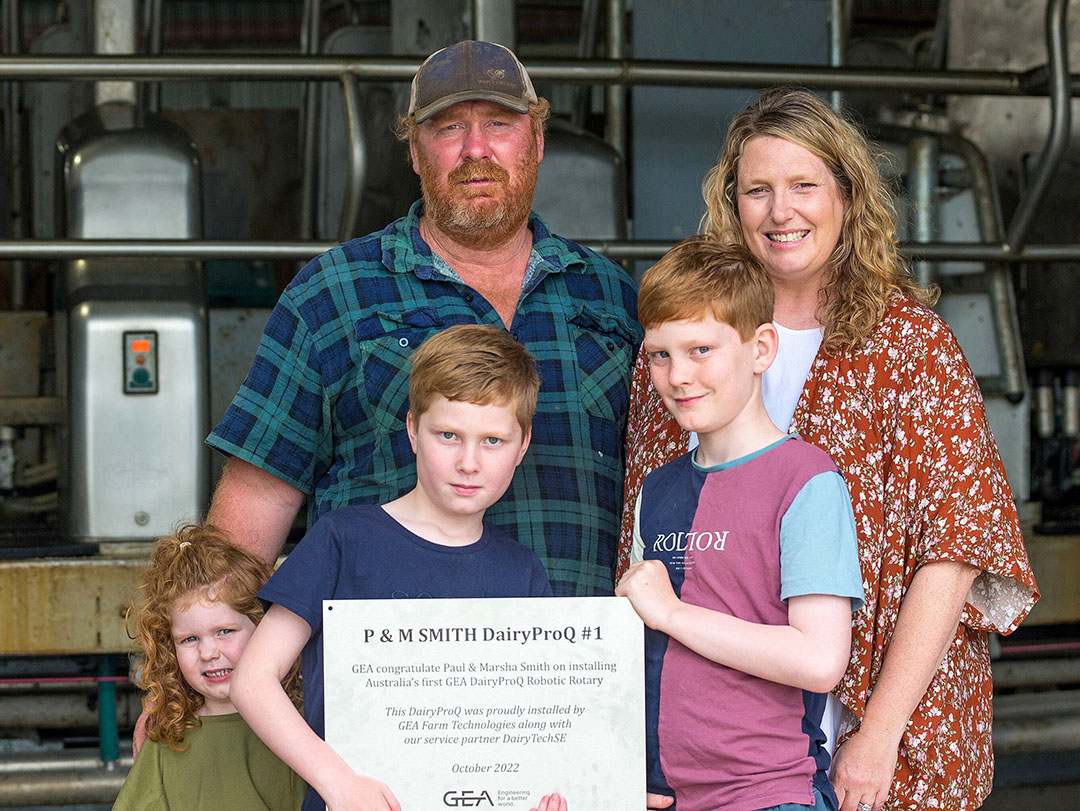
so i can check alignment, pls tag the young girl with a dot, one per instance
(193, 615)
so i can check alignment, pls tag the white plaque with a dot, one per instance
(489, 703)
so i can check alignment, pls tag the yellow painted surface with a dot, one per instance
(66, 605)
(1055, 560)
(76, 605)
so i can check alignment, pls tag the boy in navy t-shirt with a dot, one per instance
(472, 396)
(746, 567)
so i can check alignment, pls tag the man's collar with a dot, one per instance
(403, 248)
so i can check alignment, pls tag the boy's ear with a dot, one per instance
(410, 429)
(766, 342)
(524, 446)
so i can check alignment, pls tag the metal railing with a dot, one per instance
(1053, 79)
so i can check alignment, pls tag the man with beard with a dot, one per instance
(321, 414)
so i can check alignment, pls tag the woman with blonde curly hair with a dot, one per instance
(192, 615)
(868, 372)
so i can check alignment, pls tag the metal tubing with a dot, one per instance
(31, 410)
(97, 785)
(1036, 672)
(587, 36)
(1045, 426)
(1060, 122)
(991, 229)
(922, 171)
(155, 25)
(999, 276)
(615, 94)
(51, 710)
(357, 175)
(836, 43)
(592, 71)
(1051, 734)
(114, 33)
(13, 143)
(1028, 706)
(57, 761)
(495, 21)
(309, 44)
(71, 249)
(1070, 408)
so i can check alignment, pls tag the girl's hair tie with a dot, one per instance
(185, 543)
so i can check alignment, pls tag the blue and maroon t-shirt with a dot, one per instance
(741, 538)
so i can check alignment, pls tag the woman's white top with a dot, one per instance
(782, 383)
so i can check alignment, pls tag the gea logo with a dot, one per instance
(466, 799)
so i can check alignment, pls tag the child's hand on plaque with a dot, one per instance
(551, 802)
(648, 586)
(658, 800)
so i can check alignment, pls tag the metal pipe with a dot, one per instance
(999, 277)
(357, 175)
(58, 760)
(53, 711)
(1070, 408)
(1044, 405)
(586, 49)
(991, 229)
(8, 435)
(615, 94)
(836, 44)
(495, 21)
(592, 71)
(1051, 734)
(309, 44)
(155, 25)
(1024, 706)
(72, 249)
(97, 785)
(1060, 122)
(922, 172)
(1036, 672)
(114, 33)
(13, 143)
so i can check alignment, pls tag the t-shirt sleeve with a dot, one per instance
(539, 585)
(818, 547)
(309, 574)
(143, 789)
(275, 420)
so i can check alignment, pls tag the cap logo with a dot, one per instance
(496, 73)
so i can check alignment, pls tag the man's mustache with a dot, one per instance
(484, 170)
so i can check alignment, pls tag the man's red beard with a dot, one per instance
(479, 217)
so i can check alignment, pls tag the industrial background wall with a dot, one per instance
(168, 165)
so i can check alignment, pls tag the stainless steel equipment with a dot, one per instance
(132, 340)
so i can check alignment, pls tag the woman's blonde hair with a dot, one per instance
(199, 562)
(865, 270)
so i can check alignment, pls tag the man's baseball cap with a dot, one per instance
(470, 71)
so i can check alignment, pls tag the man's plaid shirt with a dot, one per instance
(323, 406)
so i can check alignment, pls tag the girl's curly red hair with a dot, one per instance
(198, 562)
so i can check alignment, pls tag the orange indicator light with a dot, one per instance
(140, 345)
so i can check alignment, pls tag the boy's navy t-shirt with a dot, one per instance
(360, 552)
